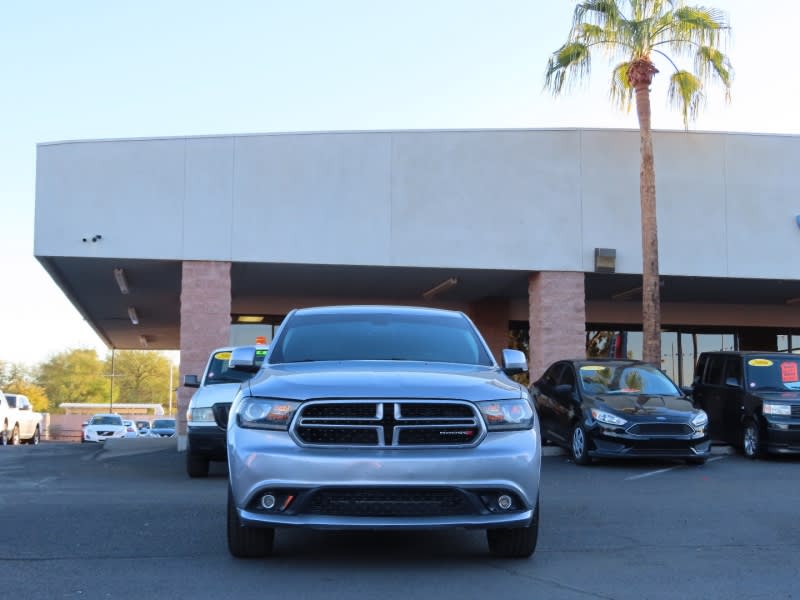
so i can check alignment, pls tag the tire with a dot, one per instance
(579, 446)
(515, 543)
(247, 542)
(196, 466)
(35, 438)
(15, 441)
(751, 441)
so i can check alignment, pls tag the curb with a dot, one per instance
(721, 449)
(131, 446)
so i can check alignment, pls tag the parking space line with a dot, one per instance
(651, 473)
(659, 471)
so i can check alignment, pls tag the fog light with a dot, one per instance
(504, 501)
(268, 501)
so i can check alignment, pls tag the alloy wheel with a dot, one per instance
(578, 442)
(750, 441)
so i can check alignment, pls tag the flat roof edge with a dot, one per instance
(403, 131)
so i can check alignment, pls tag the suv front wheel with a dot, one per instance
(244, 541)
(515, 543)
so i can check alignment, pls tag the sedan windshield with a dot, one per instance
(773, 374)
(106, 420)
(379, 336)
(163, 424)
(625, 379)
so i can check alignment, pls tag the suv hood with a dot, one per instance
(383, 379)
(648, 405)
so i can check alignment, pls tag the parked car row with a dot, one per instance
(624, 408)
(104, 426)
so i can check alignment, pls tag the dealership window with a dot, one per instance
(252, 329)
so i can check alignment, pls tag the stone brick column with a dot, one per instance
(205, 324)
(557, 316)
(490, 316)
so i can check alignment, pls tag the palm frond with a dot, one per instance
(686, 94)
(604, 13)
(711, 62)
(621, 92)
(571, 58)
(699, 24)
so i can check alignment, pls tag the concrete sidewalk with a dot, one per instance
(129, 446)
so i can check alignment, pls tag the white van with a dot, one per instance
(218, 386)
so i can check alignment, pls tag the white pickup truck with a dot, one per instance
(18, 421)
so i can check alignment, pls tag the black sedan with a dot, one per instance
(618, 408)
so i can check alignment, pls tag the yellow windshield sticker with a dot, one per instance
(592, 368)
(223, 356)
(759, 362)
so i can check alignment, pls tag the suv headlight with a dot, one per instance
(266, 413)
(607, 417)
(783, 410)
(506, 415)
(700, 420)
(202, 414)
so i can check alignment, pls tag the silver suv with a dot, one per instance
(378, 417)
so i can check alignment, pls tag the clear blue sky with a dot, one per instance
(97, 69)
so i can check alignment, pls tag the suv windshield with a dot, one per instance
(218, 371)
(422, 337)
(775, 374)
(163, 424)
(626, 379)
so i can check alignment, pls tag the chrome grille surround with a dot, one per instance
(388, 423)
(660, 429)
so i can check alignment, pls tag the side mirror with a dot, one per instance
(732, 382)
(687, 390)
(191, 381)
(514, 362)
(222, 411)
(244, 359)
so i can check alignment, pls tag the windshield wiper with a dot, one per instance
(224, 380)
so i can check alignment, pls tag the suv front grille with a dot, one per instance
(388, 503)
(397, 424)
(796, 410)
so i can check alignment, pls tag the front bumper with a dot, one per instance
(782, 435)
(380, 488)
(614, 442)
(207, 441)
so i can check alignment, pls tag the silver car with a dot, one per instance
(377, 417)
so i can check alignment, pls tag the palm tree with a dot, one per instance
(638, 32)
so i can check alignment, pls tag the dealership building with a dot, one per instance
(192, 243)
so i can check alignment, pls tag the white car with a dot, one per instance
(206, 440)
(105, 426)
(131, 431)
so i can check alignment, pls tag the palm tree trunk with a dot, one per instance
(651, 293)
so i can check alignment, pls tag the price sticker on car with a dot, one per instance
(789, 372)
(759, 362)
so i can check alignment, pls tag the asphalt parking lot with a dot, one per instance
(79, 521)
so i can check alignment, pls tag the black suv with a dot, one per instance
(752, 399)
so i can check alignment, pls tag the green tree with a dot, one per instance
(18, 379)
(74, 376)
(637, 33)
(141, 376)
